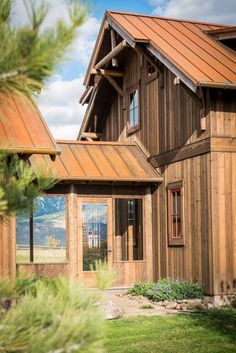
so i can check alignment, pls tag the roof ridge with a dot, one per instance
(169, 18)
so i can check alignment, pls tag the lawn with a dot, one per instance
(209, 332)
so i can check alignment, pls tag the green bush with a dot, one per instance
(53, 316)
(166, 289)
(141, 288)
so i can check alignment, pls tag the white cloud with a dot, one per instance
(83, 45)
(59, 104)
(59, 101)
(210, 11)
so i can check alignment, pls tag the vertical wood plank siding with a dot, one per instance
(223, 171)
(170, 119)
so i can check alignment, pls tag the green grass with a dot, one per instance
(209, 332)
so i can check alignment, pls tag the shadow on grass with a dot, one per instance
(223, 321)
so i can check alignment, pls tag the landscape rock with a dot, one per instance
(112, 311)
(183, 306)
(171, 305)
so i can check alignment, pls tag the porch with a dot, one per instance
(101, 209)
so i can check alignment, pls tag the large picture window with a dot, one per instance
(41, 233)
(133, 110)
(129, 230)
(175, 213)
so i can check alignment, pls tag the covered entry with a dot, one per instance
(108, 213)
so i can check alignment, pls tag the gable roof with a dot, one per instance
(97, 161)
(183, 46)
(22, 127)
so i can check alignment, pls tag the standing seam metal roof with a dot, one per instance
(185, 43)
(97, 161)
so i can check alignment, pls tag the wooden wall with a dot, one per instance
(8, 247)
(170, 119)
(191, 261)
(178, 113)
(223, 170)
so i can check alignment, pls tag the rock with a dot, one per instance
(210, 306)
(178, 306)
(171, 305)
(183, 306)
(112, 311)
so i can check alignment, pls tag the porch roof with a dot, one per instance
(97, 161)
(22, 127)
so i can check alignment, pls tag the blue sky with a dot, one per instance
(59, 101)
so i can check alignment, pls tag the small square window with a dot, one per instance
(175, 214)
(151, 71)
(133, 110)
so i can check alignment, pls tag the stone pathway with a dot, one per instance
(117, 305)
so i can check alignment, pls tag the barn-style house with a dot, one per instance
(150, 183)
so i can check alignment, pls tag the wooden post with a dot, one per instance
(31, 235)
(72, 236)
(149, 253)
(113, 45)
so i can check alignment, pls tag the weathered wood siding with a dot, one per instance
(170, 119)
(178, 113)
(8, 247)
(193, 260)
(223, 176)
(43, 270)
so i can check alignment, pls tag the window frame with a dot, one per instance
(171, 188)
(132, 198)
(133, 128)
(31, 233)
(154, 75)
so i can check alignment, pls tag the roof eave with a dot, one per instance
(222, 85)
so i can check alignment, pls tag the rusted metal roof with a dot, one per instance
(183, 46)
(22, 127)
(97, 161)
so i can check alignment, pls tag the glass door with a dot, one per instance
(95, 232)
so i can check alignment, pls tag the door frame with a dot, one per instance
(88, 277)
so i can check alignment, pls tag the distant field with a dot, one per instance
(41, 254)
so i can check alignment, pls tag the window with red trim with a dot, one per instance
(175, 213)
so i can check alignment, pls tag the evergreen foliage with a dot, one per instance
(29, 54)
(53, 317)
(18, 184)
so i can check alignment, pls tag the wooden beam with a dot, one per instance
(113, 45)
(179, 154)
(143, 52)
(115, 85)
(104, 72)
(91, 135)
(112, 54)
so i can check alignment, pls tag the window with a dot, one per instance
(175, 213)
(133, 110)
(151, 71)
(129, 230)
(94, 230)
(41, 235)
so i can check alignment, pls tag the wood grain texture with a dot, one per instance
(8, 247)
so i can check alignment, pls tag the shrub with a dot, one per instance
(141, 288)
(166, 289)
(56, 316)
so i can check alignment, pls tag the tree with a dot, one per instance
(29, 55)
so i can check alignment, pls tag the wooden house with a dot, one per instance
(150, 185)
